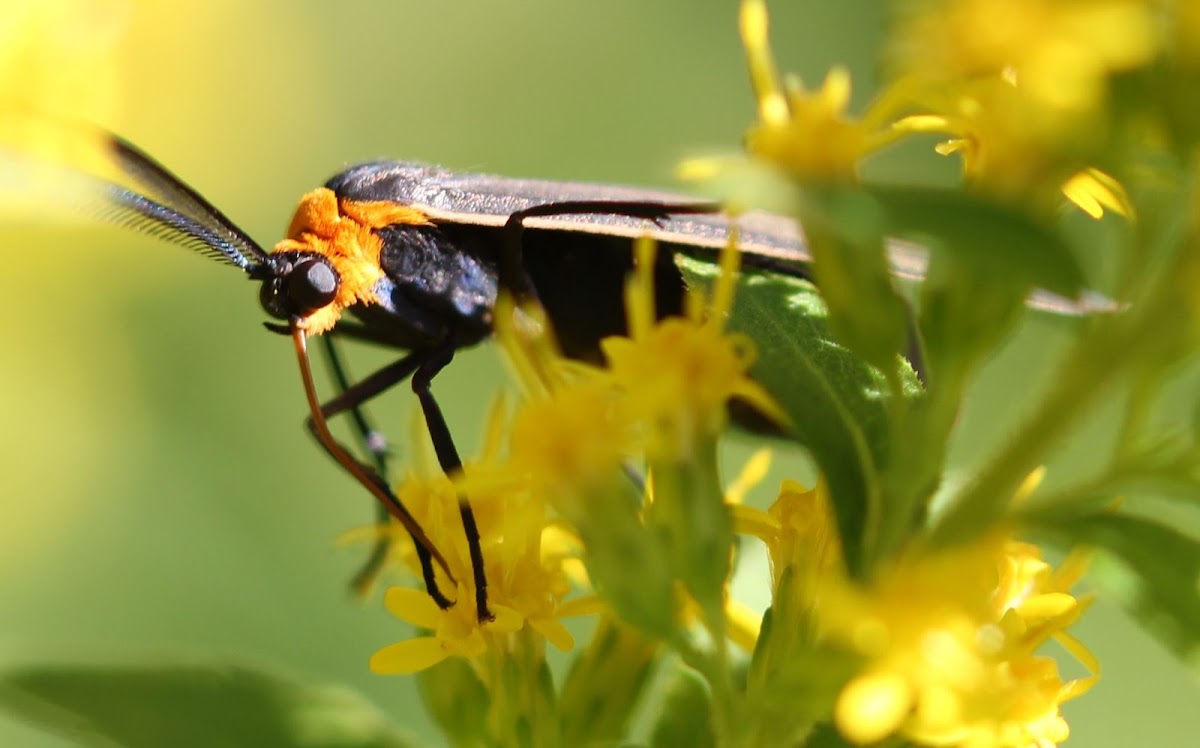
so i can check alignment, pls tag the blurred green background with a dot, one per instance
(159, 496)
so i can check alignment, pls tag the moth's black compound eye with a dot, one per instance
(312, 284)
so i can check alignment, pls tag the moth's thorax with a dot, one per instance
(344, 232)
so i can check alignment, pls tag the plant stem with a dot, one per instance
(1092, 366)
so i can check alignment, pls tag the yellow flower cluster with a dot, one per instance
(946, 641)
(527, 560)
(1021, 88)
(666, 387)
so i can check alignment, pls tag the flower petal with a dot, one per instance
(409, 656)
(586, 605)
(506, 620)
(1047, 605)
(744, 624)
(413, 606)
(750, 521)
(555, 632)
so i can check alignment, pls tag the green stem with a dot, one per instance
(1093, 365)
(714, 666)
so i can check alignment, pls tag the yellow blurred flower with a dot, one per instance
(60, 66)
(1185, 40)
(1015, 150)
(677, 375)
(576, 437)
(1060, 53)
(947, 640)
(800, 534)
(60, 57)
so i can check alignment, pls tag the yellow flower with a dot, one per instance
(947, 641)
(59, 66)
(808, 134)
(1016, 150)
(806, 538)
(1061, 53)
(1007, 145)
(576, 437)
(800, 534)
(527, 586)
(526, 563)
(1021, 86)
(677, 376)
(1011, 161)
(802, 543)
(455, 631)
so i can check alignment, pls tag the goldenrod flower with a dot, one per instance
(455, 631)
(1022, 88)
(526, 587)
(808, 134)
(947, 640)
(1060, 53)
(578, 436)
(800, 534)
(677, 376)
(527, 582)
(1015, 150)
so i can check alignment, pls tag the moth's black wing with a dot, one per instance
(488, 200)
(768, 240)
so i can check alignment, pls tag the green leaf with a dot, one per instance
(1152, 570)
(844, 229)
(1000, 242)
(838, 405)
(685, 719)
(192, 706)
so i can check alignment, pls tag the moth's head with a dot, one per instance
(328, 262)
(330, 259)
(296, 285)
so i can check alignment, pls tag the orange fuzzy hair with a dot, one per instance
(343, 231)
